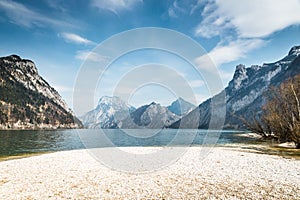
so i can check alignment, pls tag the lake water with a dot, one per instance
(14, 143)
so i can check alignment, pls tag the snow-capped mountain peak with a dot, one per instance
(108, 113)
(295, 51)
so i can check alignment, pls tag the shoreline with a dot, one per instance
(40, 128)
(25, 155)
(223, 173)
(254, 146)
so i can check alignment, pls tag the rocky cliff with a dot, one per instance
(27, 101)
(245, 93)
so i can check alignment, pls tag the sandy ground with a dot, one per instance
(224, 173)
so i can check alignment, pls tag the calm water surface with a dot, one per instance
(23, 142)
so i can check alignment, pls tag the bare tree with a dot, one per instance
(280, 116)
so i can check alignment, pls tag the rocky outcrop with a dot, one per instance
(27, 101)
(245, 93)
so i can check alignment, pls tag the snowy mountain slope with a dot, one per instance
(108, 113)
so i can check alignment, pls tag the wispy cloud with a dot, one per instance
(59, 5)
(235, 50)
(77, 39)
(23, 16)
(115, 6)
(90, 56)
(257, 19)
(176, 8)
(171, 13)
(227, 53)
(213, 24)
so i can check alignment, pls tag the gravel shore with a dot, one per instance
(225, 173)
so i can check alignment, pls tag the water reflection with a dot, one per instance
(21, 141)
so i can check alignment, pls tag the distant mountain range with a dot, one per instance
(149, 116)
(245, 93)
(27, 101)
(244, 96)
(112, 112)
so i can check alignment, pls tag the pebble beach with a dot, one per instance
(224, 173)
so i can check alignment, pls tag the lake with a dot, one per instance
(19, 142)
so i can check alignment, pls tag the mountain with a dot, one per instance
(149, 116)
(27, 101)
(108, 113)
(244, 94)
(181, 107)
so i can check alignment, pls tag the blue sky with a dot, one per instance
(58, 35)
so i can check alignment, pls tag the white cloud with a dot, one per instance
(114, 5)
(228, 53)
(248, 18)
(171, 13)
(58, 5)
(74, 38)
(258, 19)
(175, 8)
(221, 54)
(23, 16)
(213, 24)
(242, 27)
(90, 56)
